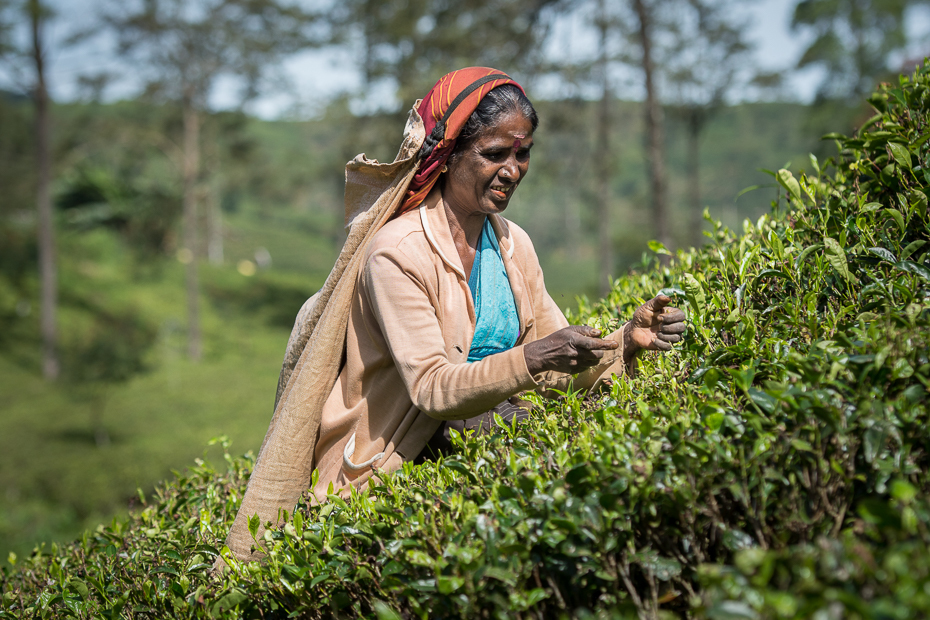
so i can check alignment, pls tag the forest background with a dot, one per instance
(157, 236)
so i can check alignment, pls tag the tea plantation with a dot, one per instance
(775, 465)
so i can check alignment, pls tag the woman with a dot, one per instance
(446, 312)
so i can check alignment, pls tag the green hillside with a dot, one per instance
(774, 466)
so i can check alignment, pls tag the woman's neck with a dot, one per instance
(465, 229)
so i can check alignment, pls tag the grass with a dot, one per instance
(55, 480)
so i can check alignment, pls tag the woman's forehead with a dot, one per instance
(512, 127)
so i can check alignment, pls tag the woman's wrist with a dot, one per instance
(630, 348)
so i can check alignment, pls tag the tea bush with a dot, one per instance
(775, 465)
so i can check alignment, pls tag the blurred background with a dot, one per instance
(171, 176)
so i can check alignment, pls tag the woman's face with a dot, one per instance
(483, 177)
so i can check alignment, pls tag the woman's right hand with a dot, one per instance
(569, 350)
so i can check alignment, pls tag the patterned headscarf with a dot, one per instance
(445, 110)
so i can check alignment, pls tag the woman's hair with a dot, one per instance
(497, 104)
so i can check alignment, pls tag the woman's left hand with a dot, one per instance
(654, 327)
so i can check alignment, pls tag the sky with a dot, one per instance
(316, 76)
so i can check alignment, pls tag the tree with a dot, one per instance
(655, 135)
(34, 81)
(48, 273)
(853, 41)
(602, 153)
(183, 49)
(410, 44)
(708, 60)
(112, 352)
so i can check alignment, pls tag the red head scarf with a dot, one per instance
(445, 110)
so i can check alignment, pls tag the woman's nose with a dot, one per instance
(510, 170)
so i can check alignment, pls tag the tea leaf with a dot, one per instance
(787, 180)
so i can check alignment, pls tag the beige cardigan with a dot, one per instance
(409, 332)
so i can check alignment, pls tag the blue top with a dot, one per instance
(497, 326)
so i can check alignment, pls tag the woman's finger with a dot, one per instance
(659, 302)
(661, 346)
(595, 344)
(668, 337)
(674, 328)
(672, 315)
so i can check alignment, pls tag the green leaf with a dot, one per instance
(911, 267)
(836, 256)
(732, 610)
(751, 188)
(229, 601)
(695, 293)
(384, 612)
(657, 247)
(912, 247)
(898, 218)
(448, 585)
(903, 491)
(883, 254)
(79, 587)
(900, 154)
(806, 252)
(763, 400)
(787, 180)
(500, 574)
(535, 596)
(254, 522)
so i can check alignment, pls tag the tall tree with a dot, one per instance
(708, 60)
(603, 154)
(48, 272)
(655, 126)
(183, 48)
(29, 66)
(853, 41)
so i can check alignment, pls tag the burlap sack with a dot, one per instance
(314, 353)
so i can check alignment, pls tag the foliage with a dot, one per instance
(185, 49)
(775, 466)
(852, 40)
(413, 44)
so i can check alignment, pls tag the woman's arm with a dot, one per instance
(397, 296)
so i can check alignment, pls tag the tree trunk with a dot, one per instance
(191, 169)
(654, 137)
(603, 158)
(215, 223)
(48, 274)
(695, 125)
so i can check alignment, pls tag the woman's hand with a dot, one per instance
(569, 350)
(654, 327)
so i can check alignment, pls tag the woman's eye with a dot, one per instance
(496, 155)
(523, 154)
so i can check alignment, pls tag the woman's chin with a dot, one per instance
(497, 201)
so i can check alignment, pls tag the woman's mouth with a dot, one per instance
(502, 192)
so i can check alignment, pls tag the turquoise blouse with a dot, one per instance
(497, 326)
